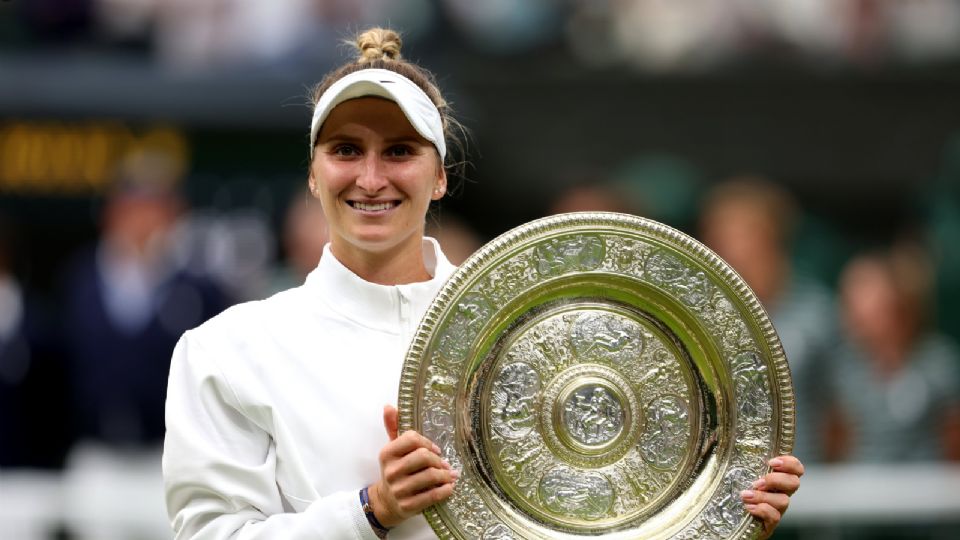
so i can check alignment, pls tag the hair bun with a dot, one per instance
(378, 44)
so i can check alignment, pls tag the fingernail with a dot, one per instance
(775, 462)
(446, 464)
(436, 449)
(455, 474)
(760, 484)
(747, 495)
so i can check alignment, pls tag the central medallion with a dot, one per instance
(592, 414)
(565, 409)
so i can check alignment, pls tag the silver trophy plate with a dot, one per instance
(598, 374)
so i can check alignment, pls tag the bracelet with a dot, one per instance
(378, 529)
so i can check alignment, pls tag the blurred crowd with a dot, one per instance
(82, 383)
(875, 379)
(83, 368)
(655, 35)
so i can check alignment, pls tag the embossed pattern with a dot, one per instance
(589, 416)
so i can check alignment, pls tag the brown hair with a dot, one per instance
(379, 48)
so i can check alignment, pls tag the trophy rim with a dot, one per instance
(599, 222)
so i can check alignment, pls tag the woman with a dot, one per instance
(273, 413)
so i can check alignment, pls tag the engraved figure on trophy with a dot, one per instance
(515, 275)
(605, 335)
(693, 287)
(513, 398)
(497, 532)
(561, 255)
(751, 387)
(667, 432)
(438, 426)
(575, 494)
(726, 512)
(593, 416)
(462, 329)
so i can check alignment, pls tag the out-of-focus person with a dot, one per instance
(896, 380)
(125, 304)
(748, 221)
(304, 234)
(593, 197)
(456, 237)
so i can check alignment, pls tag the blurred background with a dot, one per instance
(153, 158)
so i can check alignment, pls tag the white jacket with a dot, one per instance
(275, 408)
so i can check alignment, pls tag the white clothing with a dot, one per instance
(275, 408)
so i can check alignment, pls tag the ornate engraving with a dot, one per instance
(513, 397)
(577, 494)
(469, 314)
(559, 429)
(691, 285)
(665, 440)
(578, 253)
(592, 415)
(726, 510)
(750, 383)
(600, 334)
(502, 283)
(497, 532)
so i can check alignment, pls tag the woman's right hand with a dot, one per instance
(413, 476)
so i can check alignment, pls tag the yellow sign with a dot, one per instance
(61, 158)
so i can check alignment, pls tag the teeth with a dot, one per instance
(375, 207)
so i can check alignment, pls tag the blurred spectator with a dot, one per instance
(304, 235)
(896, 381)
(593, 198)
(33, 432)
(457, 238)
(126, 304)
(748, 222)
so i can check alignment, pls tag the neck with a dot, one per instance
(398, 265)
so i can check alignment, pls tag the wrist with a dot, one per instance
(370, 501)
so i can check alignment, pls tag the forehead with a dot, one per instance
(368, 115)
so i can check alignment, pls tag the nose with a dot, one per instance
(372, 176)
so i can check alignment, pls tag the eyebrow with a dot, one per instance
(343, 137)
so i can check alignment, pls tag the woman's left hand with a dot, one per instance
(770, 496)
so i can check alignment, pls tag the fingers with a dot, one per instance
(405, 444)
(410, 486)
(770, 496)
(784, 478)
(767, 514)
(779, 501)
(413, 476)
(394, 469)
(391, 421)
(417, 503)
(778, 482)
(787, 464)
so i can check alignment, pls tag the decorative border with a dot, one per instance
(594, 222)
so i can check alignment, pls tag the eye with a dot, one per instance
(345, 150)
(400, 150)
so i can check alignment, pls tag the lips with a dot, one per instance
(371, 206)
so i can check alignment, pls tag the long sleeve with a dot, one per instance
(220, 463)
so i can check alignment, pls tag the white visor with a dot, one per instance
(413, 101)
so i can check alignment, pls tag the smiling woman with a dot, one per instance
(276, 426)
(375, 177)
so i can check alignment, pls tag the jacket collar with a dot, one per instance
(379, 307)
